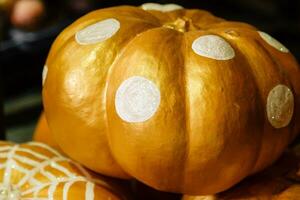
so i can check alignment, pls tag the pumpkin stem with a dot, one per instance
(180, 24)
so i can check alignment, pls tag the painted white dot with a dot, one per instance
(213, 46)
(160, 7)
(98, 32)
(280, 106)
(137, 99)
(44, 74)
(273, 42)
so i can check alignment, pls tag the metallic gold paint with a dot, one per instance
(42, 132)
(210, 130)
(278, 182)
(36, 171)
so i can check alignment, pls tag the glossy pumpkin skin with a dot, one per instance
(210, 125)
(36, 171)
(42, 132)
(279, 182)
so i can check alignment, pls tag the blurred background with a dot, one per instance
(28, 28)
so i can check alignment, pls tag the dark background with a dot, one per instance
(23, 52)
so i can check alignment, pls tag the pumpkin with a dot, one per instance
(279, 182)
(27, 14)
(177, 98)
(36, 171)
(42, 132)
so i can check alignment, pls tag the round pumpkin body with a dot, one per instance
(42, 132)
(177, 98)
(35, 171)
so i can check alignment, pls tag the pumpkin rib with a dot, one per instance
(259, 100)
(111, 68)
(269, 59)
(280, 67)
(247, 69)
(258, 95)
(118, 54)
(292, 67)
(186, 114)
(114, 80)
(257, 163)
(276, 64)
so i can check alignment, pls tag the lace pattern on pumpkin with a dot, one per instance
(29, 174)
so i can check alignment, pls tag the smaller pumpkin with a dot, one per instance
(36, 171)
(42, 132)
(279, 182)
(27, 14)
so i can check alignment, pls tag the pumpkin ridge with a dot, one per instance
(175, 37)
(187, 113)
(258, 96)
(261, 100)
(186, 107)
(285, 74)
(62, 48)
(117, 57)
(108, 77)
(255, 73)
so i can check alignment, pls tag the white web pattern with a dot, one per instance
(37, 162)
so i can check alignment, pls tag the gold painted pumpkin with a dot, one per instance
(279, 182)
(177, 98)
(34, 171)
(42, 132)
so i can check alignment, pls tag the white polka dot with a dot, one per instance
(273, 42)
(137, 99)
(213, 46)
(44, 74)
(98, 32)
(280, 106)
(160, 7)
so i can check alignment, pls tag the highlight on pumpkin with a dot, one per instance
(44, 74)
